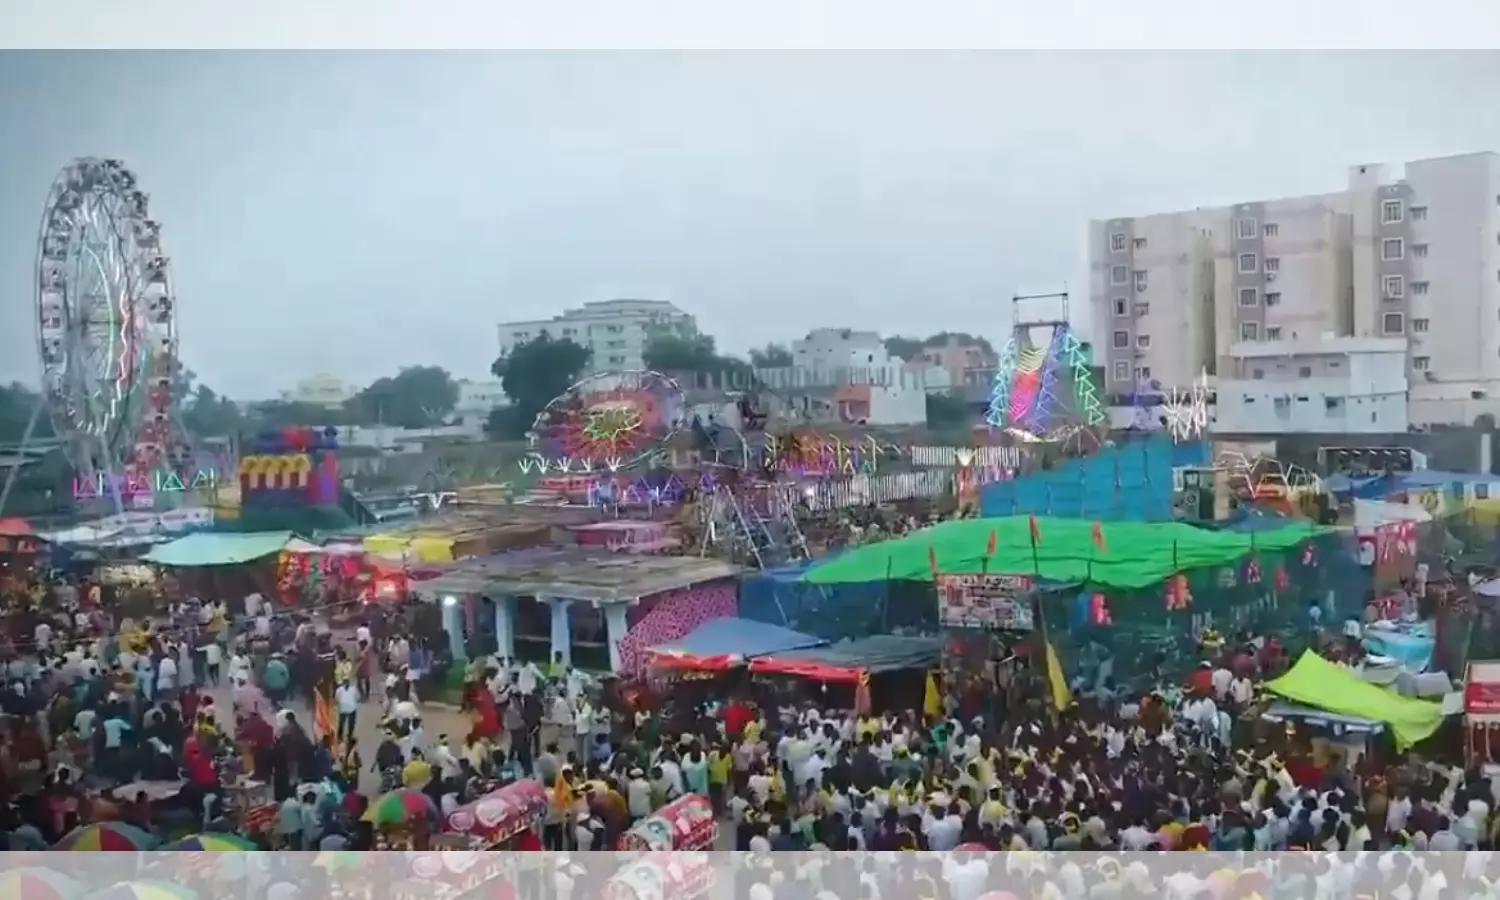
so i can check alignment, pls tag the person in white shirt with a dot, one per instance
(760, 785)
(252, 605)
(942, 830)
(347, 699)
(166, 674)
(213, 658)
(1222, 678)
(43, 635)
(638, 795)
(362, 634)
(443, 757)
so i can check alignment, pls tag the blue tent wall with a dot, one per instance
(836, 612)
(1131, 481)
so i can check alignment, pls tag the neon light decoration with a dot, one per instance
(101, 485)
(1043, 391)
(1187, 411)
(622, 416)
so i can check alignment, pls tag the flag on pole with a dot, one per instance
(1036, 532)
(1057, 682)
(562, 793)
(989, 549)
(932, 560)
(323, 725)
(1098, 535)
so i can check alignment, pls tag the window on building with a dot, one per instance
(1273, 265)
(1334, 405)
(1393, 323)
(1248, 229)
(1392, 249)
(1419, 251)
(1138, 243)
(1273, 333)
(1419, 213)
(1122, 340)
(1270, 229)
(1142, 373)
(1391, 211)
(1420, 326)
(1419, 288)
(1122, 306)
(1257, 374)
(1143, 341)
(1421, 363)
(1122, 371)
(1304, 372)
(1249, 331)
(1249, 296)
(1248, 263)
(1393, 287)
(1117, 242)
(1140, 279)
(1119, 275)
(1273, 299)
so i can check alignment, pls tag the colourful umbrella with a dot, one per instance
(401, 806)
(214, 843)
(37, 884)
(112, 836)
(145, 890)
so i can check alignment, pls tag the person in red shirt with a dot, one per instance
(1201, 682)
(198, 764)
(736, 717)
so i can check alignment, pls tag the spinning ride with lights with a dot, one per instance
(106, 324)
(1044, 391)
(612, 420)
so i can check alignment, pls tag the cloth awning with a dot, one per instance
(719, 644)
(1281, 711)
(206, 549)
(847, 661)
(1316, 682)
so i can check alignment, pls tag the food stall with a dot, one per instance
(686, 823)
(501, 815)
(663, 876)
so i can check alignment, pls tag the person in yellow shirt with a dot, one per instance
(417, 773)
(720, 765)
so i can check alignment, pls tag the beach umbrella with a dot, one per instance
(145, 890)
(401, 806)
(213, 843)
(37, 884)
(114, 836)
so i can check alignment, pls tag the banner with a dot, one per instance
(985, 601)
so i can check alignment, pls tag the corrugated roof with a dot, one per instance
(598, 576)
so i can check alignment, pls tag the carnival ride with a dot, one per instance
(107, 331)
(612, 420)
(1044, 391)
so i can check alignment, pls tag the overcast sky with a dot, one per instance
(355, 212)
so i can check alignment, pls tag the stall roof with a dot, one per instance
(223, 549)
(733, 639)
(1316, 682)
(844, 660)
(575, 573)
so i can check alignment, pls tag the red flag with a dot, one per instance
(1098, 535)
(989, 549)
(1036, 533)
(932, 560)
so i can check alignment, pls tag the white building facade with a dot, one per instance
(1413, 257)
(617, 331)
(1324, 385)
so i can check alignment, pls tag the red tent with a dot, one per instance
(14, 527)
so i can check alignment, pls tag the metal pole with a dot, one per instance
(10, 477)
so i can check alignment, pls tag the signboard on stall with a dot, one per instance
(997, 602)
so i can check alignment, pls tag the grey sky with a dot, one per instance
(354, 212)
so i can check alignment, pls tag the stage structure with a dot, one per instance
(1044, 390)
(106, 326)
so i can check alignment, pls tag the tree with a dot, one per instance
(772, 356)
(534, 373)
(697, 359)
(947, 410)
(209, 415)
(904, 348)
(275, 414)
(417, 397)
(18, 403)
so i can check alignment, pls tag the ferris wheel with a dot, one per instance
(106, 322)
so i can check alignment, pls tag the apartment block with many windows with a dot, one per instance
(617, 331)
(1414, 257)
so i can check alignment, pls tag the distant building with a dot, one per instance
(1325, 386)
(476, 400)
(321, 390)
(963, 361)
(617, 331)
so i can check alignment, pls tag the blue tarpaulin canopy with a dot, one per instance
(721, 643)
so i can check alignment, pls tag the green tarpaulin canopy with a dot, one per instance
(1109, 554)
(1317, 682)
(209, 549)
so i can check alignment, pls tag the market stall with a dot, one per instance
(883, 666)
(502, 815)
(720, 644)
(337, 573)
(663, 876)
(686, 823)
(1482, 714)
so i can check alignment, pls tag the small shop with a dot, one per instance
(663, 876)
(717, 653)
(222, 564)
(878, 672)
(1482, 715)
(501, 816)
(686, 823)
(337, 574)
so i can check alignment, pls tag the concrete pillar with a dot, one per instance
(615, 628)
(453, 626)
(562, 631)
(505, 627)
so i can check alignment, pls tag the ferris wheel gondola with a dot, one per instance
(106, 323)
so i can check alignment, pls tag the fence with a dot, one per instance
(1132, 481)
(872, 490)
(947, 457)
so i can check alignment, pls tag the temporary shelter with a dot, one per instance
(1318, 683)
(720, 644)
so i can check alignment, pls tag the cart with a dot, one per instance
(686, 823)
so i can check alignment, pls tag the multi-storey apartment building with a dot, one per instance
(1414, 256)
(617, 331)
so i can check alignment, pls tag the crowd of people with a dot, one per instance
(94, 706)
